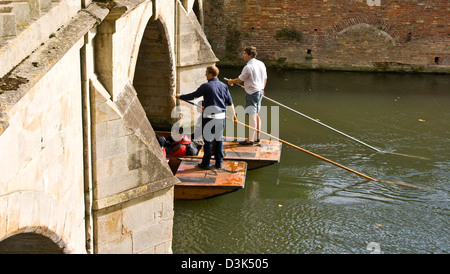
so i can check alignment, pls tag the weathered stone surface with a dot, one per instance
(79, 158)
(8, 21)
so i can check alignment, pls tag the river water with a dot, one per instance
(306, 205)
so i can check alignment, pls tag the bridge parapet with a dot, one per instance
(24, 26)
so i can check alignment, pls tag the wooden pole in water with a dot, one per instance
(322, 124)
(314, 120)
(327, 160)
(335, 130)
(340, 132)
(307, 151)
(315, 155)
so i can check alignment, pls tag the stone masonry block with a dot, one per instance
(116, 128)
(101, 131)
(139, 213)
(57, 213)
(42, 208)
(22, 12)
(35, 8)
(108, 226)
(45, 4)
(120, 182)
(167, 207)
(3, 208)
(26, 213)
(13, 211)
(111, 147)
(123, 245)
(8, 21)
(104, 112)
(112, 166)
(152, 236)
(134, 144)
(164, 248)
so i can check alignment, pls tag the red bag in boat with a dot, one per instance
(177, 150)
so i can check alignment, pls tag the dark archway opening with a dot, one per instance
(198, 10)
(154, 76)
(29, 243)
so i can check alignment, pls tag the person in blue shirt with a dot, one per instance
(216, 97)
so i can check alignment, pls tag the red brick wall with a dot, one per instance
(410, 35)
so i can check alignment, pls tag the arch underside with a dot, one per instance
(154, 76)
(29, 243)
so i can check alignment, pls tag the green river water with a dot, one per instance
(305, 205)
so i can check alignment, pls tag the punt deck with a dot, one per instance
(267, 152)
(197, 183)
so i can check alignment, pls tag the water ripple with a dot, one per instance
(304, 205)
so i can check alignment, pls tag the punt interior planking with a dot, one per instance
(197, 183)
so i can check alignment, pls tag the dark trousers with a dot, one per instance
(211, 128)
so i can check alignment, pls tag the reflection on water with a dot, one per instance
(305, 205)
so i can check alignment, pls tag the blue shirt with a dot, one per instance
(215, 93)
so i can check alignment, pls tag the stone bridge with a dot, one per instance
(84, 84)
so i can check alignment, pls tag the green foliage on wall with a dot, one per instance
(290, 34)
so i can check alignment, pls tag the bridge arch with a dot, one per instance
(198, 10)
(30, 243)
(368, 22)
(363, 42)
(154, 77)
(379, 30)
(34, 222)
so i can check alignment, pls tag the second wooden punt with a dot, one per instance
(197, 183)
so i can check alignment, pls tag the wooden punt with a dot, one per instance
(197, 183)
(267, 152)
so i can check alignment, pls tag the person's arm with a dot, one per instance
(191, 96)
(244, 75)
(234, 113)
(234, 81)
(229, 102)
(265, 83)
